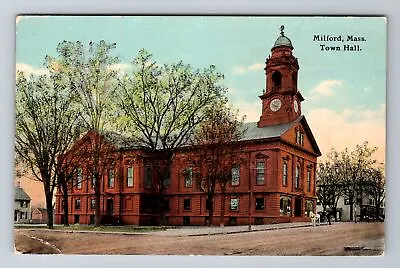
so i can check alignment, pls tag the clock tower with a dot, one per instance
(281, 100)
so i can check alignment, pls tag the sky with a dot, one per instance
(344, 91)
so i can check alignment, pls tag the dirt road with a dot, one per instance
(322, 240)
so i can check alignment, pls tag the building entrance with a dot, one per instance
(297, 207)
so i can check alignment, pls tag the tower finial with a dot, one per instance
(282, 28)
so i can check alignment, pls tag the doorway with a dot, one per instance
(297, 207)
(110, 207)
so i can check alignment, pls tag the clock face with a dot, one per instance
(296, 106)
(275, 105)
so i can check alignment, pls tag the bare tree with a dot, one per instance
(161, 106)
(217, 153)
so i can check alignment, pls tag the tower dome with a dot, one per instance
(282, 40)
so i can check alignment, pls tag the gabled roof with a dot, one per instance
(252, 132)
(41, 210)
(20, 194)
(120, 141)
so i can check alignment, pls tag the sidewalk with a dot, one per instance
(200, 230)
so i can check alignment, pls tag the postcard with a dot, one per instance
(200, 135)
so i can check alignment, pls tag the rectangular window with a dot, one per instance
(129, 177)
(346, 201)
(371, 202)
(234, 204)
(308, 208)
(235, 175)
(77, 204)
(79, 179)
(260, 204)
(260, 172)
(284, 174)
(186, 204)
(167, 179)
(148, 180)
(166, 205)
(308, 180)
(285, 205)
(93, 203)
(188, 177)
(208, 204)
(299, 137)
(111, 178)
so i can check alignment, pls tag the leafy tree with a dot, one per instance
(45, 128)
(356, 165)
(162, 105)
(375, 187)
(217, 154)
(89, 73)
(346, 174)
(329, 188)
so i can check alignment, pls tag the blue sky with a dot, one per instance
(344, 90)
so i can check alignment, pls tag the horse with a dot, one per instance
(315, 218)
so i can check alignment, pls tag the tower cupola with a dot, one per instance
(281, 98)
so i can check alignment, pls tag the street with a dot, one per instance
(324, 240)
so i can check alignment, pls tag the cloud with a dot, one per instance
(250, 68)
(251, 110)
(348, 128)
(28, 69)
(122, 68)
(324, 88)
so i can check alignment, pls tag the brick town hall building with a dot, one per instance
(275, 183)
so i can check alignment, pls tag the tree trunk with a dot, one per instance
(222, 213)
(210, 209)
(97, 197)
(49, 207)
(351, 203)
(65, 198)
(162, 176)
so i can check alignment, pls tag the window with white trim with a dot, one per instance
(260, 172)
(234, 203)
(79, 178)
(284, 174)
(297, 177)
(235, 175)
(129, 177)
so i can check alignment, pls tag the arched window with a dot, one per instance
(308, 180)
(276, 79)
(294, 79)
(297, 177)
(284, 174)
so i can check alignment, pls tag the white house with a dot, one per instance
(22, 206)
